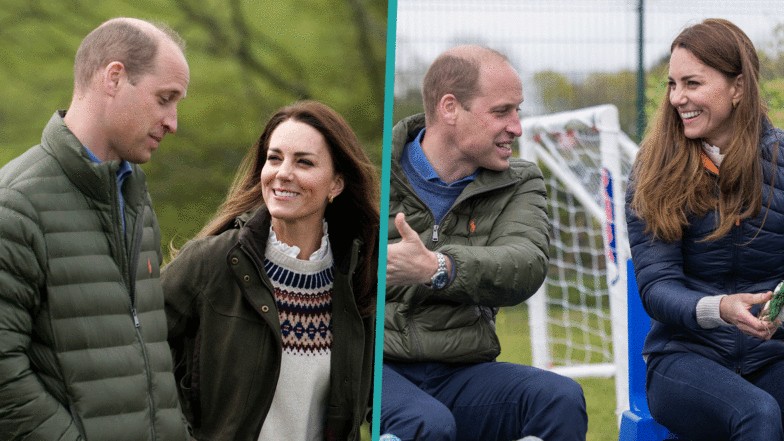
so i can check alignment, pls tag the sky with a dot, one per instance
(573, 37)
(604, 27)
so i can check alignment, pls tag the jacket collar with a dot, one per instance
(254, 232)
(708, 164)
(769, 139)
(95, 180)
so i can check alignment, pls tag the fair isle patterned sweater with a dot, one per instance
(303, 294)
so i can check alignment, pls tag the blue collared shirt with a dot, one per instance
(122, 174)
(434, 191)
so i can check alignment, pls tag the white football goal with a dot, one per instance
(578, 318)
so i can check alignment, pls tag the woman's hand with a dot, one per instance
(734, 309)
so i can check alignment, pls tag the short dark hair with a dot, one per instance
(119, 40)
(456, 74)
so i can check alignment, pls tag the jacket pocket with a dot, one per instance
(338, 424)
(188, 385)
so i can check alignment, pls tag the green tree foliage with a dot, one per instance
(771, 59)
(246, 58)
(557, 94)
(407, 105)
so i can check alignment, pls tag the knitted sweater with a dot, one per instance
(303, 296)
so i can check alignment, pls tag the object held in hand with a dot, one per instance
(772, 311)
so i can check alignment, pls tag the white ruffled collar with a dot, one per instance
(293, 250)
(713, 152)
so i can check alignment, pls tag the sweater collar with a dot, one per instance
(254, 234)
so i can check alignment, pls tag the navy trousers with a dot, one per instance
(485, 401)
(700, 399)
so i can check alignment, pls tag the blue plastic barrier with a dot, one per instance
(637, 423)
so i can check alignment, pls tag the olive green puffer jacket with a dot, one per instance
(83, 351)
(497, 234)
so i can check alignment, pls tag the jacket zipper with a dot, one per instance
(133, 263)
(434, 240)
(739, 336)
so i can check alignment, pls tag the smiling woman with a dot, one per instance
(298, 180)
(704, 98)
(286, 272)
(705, 229)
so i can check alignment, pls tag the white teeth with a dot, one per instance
(287, 194)
(688, 115)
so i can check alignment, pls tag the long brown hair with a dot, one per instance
(669, 179)
(353, 213)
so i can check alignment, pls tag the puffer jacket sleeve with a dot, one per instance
(658, 267)
(513, 263)
(27, 409)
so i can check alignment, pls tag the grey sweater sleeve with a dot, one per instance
(708, 315)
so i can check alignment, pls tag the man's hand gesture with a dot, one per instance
(409, 262)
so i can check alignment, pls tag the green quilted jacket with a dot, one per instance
(497, 233)
(83, 351)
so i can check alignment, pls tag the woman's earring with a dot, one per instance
(331, 198)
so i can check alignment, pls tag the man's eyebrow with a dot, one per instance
(172, 93)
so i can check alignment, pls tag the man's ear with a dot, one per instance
(447, 108)
(112, 77)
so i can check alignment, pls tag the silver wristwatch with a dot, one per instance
(441, 277)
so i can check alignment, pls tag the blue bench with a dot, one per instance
(637, 423)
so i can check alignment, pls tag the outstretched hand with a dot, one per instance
(734, 309)
(409, 262)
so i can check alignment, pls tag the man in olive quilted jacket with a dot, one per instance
(83, 350)
(468, 233)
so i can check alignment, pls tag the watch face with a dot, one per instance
(439, 280)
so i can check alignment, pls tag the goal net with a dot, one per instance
(578, 318)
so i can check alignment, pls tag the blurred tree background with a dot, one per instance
(246, 58)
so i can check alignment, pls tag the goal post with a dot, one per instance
(577, 319)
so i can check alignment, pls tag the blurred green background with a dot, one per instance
(246, 58)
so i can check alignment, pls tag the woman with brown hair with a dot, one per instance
(270, 307)
(705, 214)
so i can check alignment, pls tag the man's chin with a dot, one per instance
(500, 164)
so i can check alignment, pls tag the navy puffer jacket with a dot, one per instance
(673, 276)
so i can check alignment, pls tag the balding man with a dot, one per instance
(83, 351)
(468, 233)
